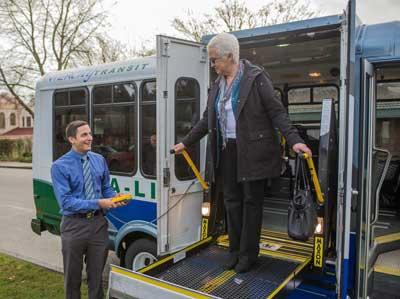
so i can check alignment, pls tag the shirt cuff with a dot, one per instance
(93, 204)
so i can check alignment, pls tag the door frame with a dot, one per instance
(179, 201)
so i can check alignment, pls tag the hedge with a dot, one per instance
(16, 150)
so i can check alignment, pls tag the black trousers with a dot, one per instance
(84, 239)
(244, 207)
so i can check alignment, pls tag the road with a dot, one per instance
(16, 211)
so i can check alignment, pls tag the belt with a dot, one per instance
(88, 215)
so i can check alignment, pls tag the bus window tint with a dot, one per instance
(148, 128)
(187, 106)
(299, 96)
(77, 97)
(64, 113)
(114, 127)
(388, 91)
(124, 93)
(61, 98)
(102, 94)
(387, 128)
(325, 92)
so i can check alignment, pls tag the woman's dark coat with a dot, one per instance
(258, 113)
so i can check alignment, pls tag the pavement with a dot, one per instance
(10, 164)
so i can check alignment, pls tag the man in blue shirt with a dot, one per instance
(81, 183)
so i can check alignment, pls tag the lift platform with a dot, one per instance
(198, 272)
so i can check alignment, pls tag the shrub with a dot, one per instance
(16, 150)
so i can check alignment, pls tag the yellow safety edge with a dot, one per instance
(214, 283)
(278, 254)
(194, 169)
(314, 177)
(387, 270)
(159, 283)
(224, 238)
(387, 238)
(289, 278)
(170, 257)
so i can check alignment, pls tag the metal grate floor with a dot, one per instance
(204, 272)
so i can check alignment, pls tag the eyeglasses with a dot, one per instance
(213, 60)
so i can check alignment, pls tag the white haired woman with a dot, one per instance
(240, 120)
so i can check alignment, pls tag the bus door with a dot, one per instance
(346, 194)
(182, 80)
(379, 226)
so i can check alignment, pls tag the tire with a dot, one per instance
(140, 253)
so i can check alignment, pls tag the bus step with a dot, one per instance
(386, 279)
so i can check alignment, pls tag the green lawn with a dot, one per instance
(21, 280)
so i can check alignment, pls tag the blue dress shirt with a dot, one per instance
(69, 185)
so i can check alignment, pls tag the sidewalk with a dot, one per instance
(21, 165)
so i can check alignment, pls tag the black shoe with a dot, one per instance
(231, 261)
(243, 266)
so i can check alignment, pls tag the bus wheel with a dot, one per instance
(140, 253)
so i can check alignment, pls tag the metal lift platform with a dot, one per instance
(198, 272)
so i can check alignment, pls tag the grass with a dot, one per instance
(20, 280)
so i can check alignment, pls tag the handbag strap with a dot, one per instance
(306, 181)
(301, 171)
(296, 174)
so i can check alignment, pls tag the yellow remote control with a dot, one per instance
(124, 197)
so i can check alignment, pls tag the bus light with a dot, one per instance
(205, 209)
(320, 226)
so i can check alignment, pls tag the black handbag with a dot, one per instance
(302, 214)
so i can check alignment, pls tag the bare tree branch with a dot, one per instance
(232, 15)
(43, 35)
(12, 91)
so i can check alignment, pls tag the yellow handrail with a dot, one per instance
(314, 177)
(194, 169)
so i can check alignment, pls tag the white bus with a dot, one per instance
(130, 126)
(340, 81)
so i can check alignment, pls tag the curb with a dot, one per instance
(16, 167)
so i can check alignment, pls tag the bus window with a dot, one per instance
(387, 128)
(114, 126)
(325, 92)
(102, 94)
(69, 105)
(388, 91)
(299, 96)
(187, 106)
(148, 128)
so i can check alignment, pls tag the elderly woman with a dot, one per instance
(241, 116)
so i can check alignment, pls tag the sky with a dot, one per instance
(135, 21)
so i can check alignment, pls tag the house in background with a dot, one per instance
(15, 120)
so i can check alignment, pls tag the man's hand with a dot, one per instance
(302, 148)
(178, 148)
(106, 203)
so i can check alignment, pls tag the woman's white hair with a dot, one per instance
(225, 44)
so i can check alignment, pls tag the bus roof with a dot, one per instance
(379, 41)
(134, 69)
(255, 34)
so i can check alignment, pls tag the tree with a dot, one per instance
(42, 35)
(232, 15)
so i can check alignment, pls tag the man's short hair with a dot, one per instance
(73, 126)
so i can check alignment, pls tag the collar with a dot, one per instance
(77, 155)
